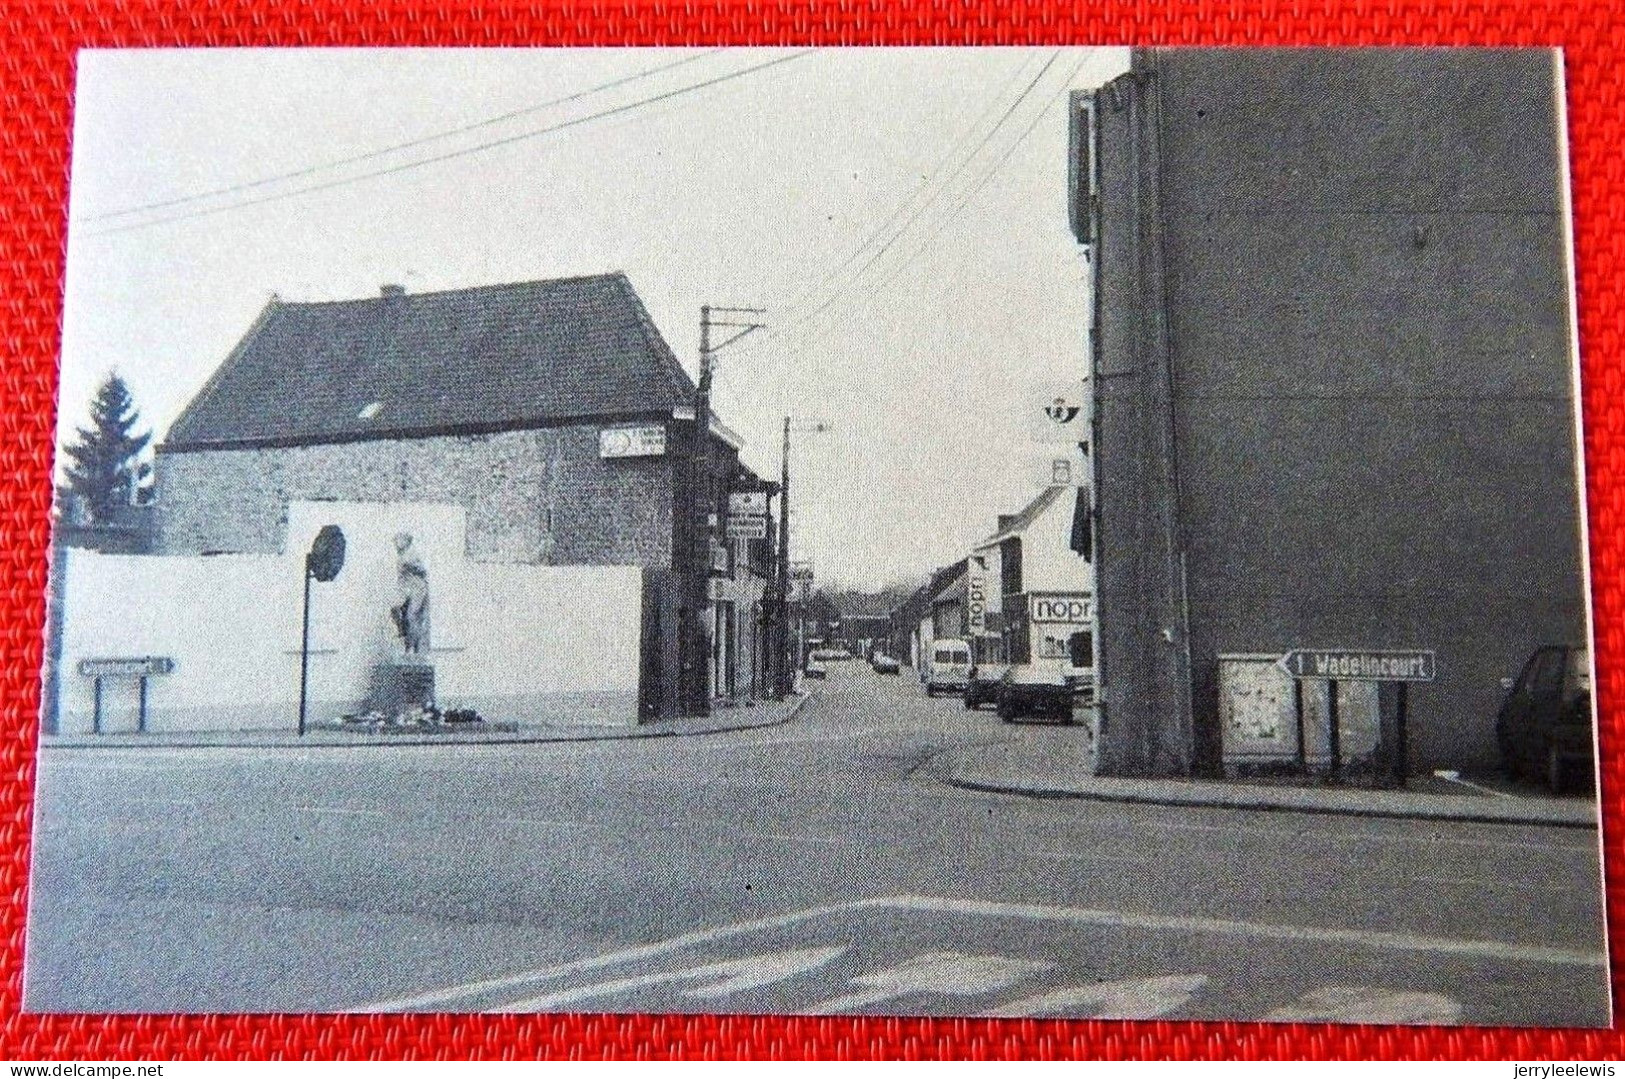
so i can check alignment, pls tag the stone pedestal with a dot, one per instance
(400, 687)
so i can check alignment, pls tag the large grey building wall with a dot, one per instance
(541, 496)
(1367, 322)
(1143, 680)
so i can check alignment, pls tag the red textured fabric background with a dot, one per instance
(37, 83)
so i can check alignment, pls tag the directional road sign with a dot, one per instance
(1360, 664)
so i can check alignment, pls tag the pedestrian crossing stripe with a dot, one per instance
(514, 986)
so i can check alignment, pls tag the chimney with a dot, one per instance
(390, 292)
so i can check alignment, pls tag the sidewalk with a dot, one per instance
(721, 720)
(1045, 762)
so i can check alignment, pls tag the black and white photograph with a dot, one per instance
(1013, 532)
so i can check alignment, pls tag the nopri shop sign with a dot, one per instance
(1073, 609)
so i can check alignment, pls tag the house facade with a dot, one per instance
(1035, 582)
(551, 413)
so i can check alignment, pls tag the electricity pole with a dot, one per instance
(694, 688)
(786, 668)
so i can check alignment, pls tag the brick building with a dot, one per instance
(1333, 380)
(553, 412)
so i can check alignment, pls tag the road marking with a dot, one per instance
(1131, 998)
(1360, 1004)
(627, 955)
(751, 972)
(940, 973)
(1378, 940)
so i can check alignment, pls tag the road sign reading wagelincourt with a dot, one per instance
(1359, 664)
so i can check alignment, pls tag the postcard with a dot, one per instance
(1075, 532)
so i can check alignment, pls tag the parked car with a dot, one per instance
(837, 654)
(946, 666)
(815, 667)
(982, 683)
(885, 664)
(1027, 689)
(1544, 726)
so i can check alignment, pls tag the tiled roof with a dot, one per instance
(490, 358)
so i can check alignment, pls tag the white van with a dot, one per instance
(946, 666)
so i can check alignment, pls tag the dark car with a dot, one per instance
(885, 664)
(1544, 726)
(1029, 690)
(982, 683)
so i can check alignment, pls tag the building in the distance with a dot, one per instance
(1333, 379)
(552, 412)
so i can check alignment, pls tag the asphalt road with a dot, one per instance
(811, 867)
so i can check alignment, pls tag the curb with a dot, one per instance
(1256, 804)
(391, 741)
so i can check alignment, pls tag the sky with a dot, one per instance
(900, 213)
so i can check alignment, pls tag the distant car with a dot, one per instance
(982, 684)
(885, 664)
(1544, 726)
(837, 654)
(946, 666)
(1029, 690)
(815, 667)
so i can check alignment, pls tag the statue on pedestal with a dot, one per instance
(411, 612)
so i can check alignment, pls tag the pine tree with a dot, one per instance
(105, 469)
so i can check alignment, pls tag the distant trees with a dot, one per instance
(107, 467)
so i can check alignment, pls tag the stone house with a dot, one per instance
(553, 412)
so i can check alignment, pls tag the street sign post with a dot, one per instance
(139, 668)
(1359, 664)
(1400, 666)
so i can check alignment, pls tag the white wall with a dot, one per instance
(522, 643)
(1048, 562)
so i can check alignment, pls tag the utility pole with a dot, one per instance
(785, 681)
(781, 612)
(694, 688)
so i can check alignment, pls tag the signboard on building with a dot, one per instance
(1360, 664)
(1058, 412)
(976, 597)
(716, 589)
(801, 581)
(648, 440)
(1073, 609)
(747, 504)
(748, 528)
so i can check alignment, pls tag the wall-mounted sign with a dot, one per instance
(719, 558)
(976, 599)
(747, 503)
(126, 667)
(1058, 412)
(1073, 609)
(648, 440)
(750, 528)
(716, 589)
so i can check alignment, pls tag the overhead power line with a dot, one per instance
(986, 178)
(385, 151)
(462, 152)
(970, 193)
(791, 309)
(876, 256)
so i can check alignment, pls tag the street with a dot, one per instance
(816, 866)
